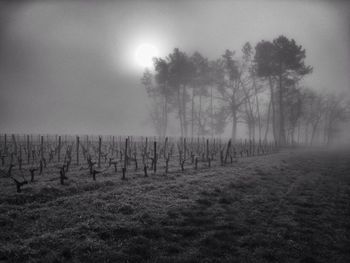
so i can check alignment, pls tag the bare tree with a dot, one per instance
(200, 83)
(156, 112)
(251, 89)
(337, 110)
(230, 88)
(180, 73)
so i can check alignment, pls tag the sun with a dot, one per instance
(144, 55)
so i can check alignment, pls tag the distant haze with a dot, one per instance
(68, 67)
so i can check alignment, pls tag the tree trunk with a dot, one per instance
(292, 132)
(234, 126)
(166, 116)
(314, 128)
(306, 133)
(257, 108)
(299, 132)
(249, 120)
(199, 116)
(282, 135)
(184, 112)
(267, 121)
(180, 112)
(272, 99)
(211, 112)
(192, 114)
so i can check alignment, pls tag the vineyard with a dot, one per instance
(134, 199)
(27, 159)
(174, 131)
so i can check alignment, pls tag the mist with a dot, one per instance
(175, 131)
(68, 67)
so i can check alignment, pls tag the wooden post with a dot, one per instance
(126, 153)
(165, 145)
(207, 149)
(227, 150)
(125, 157)
(5, 143)
(77, 150)
(146, 147)
(185, 148)
(99, 151)
(155, 157)
(214, 146)
(20, 157)
(254, 147)
(250, 147)
(112, 146)
(59, 148)
(197, 145)
(28, 150)
(14, 143)
(42, 147)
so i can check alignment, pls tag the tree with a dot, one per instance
(251, 90)
(281, 60)
(162, 79)
(263, 58)
(229, 86)
(293, 109)
(337, 110)
(153, 92)
(200, 82)
(289, 62)
(313, 110)
(261, 89)
(180, 72)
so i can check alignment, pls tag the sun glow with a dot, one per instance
(144, 55)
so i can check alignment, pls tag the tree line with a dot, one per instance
(261, 89)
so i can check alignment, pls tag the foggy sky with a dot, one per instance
(67, 67)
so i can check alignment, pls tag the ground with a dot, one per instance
(292, 206)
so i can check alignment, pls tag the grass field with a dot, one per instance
(293, 206)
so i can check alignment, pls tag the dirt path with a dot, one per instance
(288, 207)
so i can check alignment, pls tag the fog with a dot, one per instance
(69, 67)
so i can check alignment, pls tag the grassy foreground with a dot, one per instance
(293, 206)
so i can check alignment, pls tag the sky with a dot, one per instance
(69, 66)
